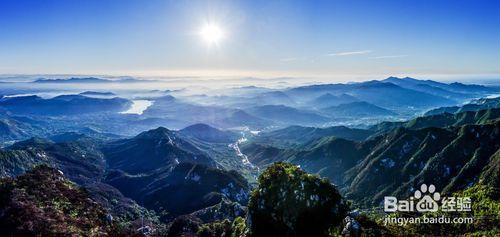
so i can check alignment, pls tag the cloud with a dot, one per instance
(300, 59)
(289, 59)
(350, 53)
(390, 56)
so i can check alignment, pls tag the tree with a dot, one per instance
(291, 202)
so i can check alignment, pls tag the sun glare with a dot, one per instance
(212, 33)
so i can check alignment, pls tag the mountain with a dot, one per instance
(430, 87)
(184, 189)
(83, 132)
(383, 94)
(298, 135)
(290, 202)
(152, 165)
(63, 105)
(12, 129)
(389, 95)
(18, 128)
(146, 167)
(241, 118)
(327, 156)
(442, 110)
(490, 175)
(157, 149)
(390, 165)
(208, 134)
(187, 189)
(72, 80)
(15, 128)
(173, 108)
(308, 93)
(462, 149)
(438, 91)
(77, 80)
(442, 120)
(263, 155)
(287, 202)
(330, 157)
(476, 88)
(172, 173)
(191, 187)
(474, 105)
(287, 115)
(453, 90)
(97, 93)
(272, 98)
(357, 109)
(17, 161)
(328, 100)
(43, 202)
(69, 137)
(451, 159)
(166, 172)
(80, 161)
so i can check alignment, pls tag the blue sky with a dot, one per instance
(262, 38)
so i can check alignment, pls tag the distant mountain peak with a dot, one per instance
(72, 80)
(358, 108)
(400, 78)
(327, 95)
(87, 80)
(166, 98)
(199, 127)
(208, 133)
(377, 84)
(97, 93)
(156, 134)
(32, 142)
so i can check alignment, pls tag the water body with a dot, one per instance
(244, 158)
(138, 107)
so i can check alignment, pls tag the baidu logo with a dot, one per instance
(426, 199)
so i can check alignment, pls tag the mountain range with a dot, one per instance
(328, 100)
(287, 115)
(79, 80)
(474, 105)
(357, 110)
(353, 104)
(295, 161)
(174, 168)
(460, 147)
(298, 135)
(63, 105)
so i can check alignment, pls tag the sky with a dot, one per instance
(260, 38)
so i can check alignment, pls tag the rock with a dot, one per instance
(109, 218)
(145, 230)
(354, 213)
(351, 227)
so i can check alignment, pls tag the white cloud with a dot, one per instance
(390, 56)
(350, 53)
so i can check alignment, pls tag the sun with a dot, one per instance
(212, 33)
